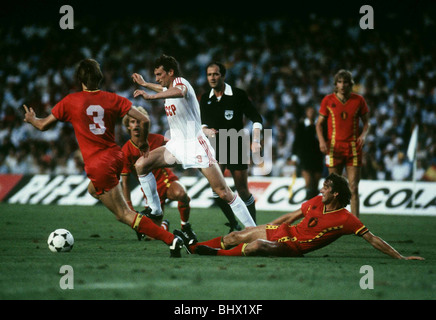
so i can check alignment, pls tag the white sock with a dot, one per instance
(241, 212)
(148, 184)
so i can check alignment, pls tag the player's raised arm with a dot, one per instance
(41, 124)
(137, 78)
(288, 218)
(173, 92)
(384, 247)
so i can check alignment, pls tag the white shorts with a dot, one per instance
(196, 153)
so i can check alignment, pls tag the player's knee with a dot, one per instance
(181, 195)
(232, 239)
(142, 166)
(354, 187)
(92, 191)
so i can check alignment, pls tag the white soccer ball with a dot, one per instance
(60, 240)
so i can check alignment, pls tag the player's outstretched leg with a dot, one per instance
(115, 202)
(218, 184)
(145, 225)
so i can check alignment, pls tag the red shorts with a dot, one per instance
(104, 169)
(164, 178)
(344, 153)
(282, 233)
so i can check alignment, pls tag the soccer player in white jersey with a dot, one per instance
(188, 144)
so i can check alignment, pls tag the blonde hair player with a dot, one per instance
(168, 184)
(342, 111)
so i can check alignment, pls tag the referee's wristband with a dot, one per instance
(256, 140)
(257, 125)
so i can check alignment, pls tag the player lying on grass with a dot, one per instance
(93, 114)
(168, 184)
(325, 219)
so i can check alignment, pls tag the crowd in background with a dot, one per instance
(283, 64)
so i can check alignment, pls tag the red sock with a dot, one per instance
(213, 243)
(144, 225)
(235, 252)
(185, 210)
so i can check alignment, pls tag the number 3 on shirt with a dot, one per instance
(98, 119)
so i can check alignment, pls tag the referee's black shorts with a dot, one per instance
(236, 158)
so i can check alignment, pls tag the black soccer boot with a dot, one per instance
(189, 233)
(175, 247)
(206, 251)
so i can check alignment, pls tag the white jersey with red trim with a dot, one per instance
(183, 114)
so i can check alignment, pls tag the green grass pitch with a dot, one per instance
(109, 263)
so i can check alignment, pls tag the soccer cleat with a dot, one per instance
(187, 231)
(148, 213)
(235, 227)
(139, 235)
(185, 240)
(206, 251)
(175, 247)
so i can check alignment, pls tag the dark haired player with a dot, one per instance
(325, 219)
(342, 111)
(93, 114)
(188, 144)
(224, 107)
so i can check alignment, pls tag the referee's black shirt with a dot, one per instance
(227, 113)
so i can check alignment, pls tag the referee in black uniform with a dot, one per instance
(223, 108)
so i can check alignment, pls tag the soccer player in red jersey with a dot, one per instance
(93, 114)
(325, 219)
(168, 184)
(343, 110)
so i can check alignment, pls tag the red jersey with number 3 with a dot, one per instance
(93, 116)
(343, 118)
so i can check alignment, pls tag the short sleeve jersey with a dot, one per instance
(93, 116)
(229, 111)
(183, 114)
(318, 228)
(343, 118)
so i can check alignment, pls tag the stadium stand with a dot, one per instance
(283, 64)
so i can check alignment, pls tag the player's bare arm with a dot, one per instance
(379, 244)
(137, 78)
(126, 189)
(173, 92)
(256, 146)
(41, 124)
(319, 133)
(366, 125)
(288, 218)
